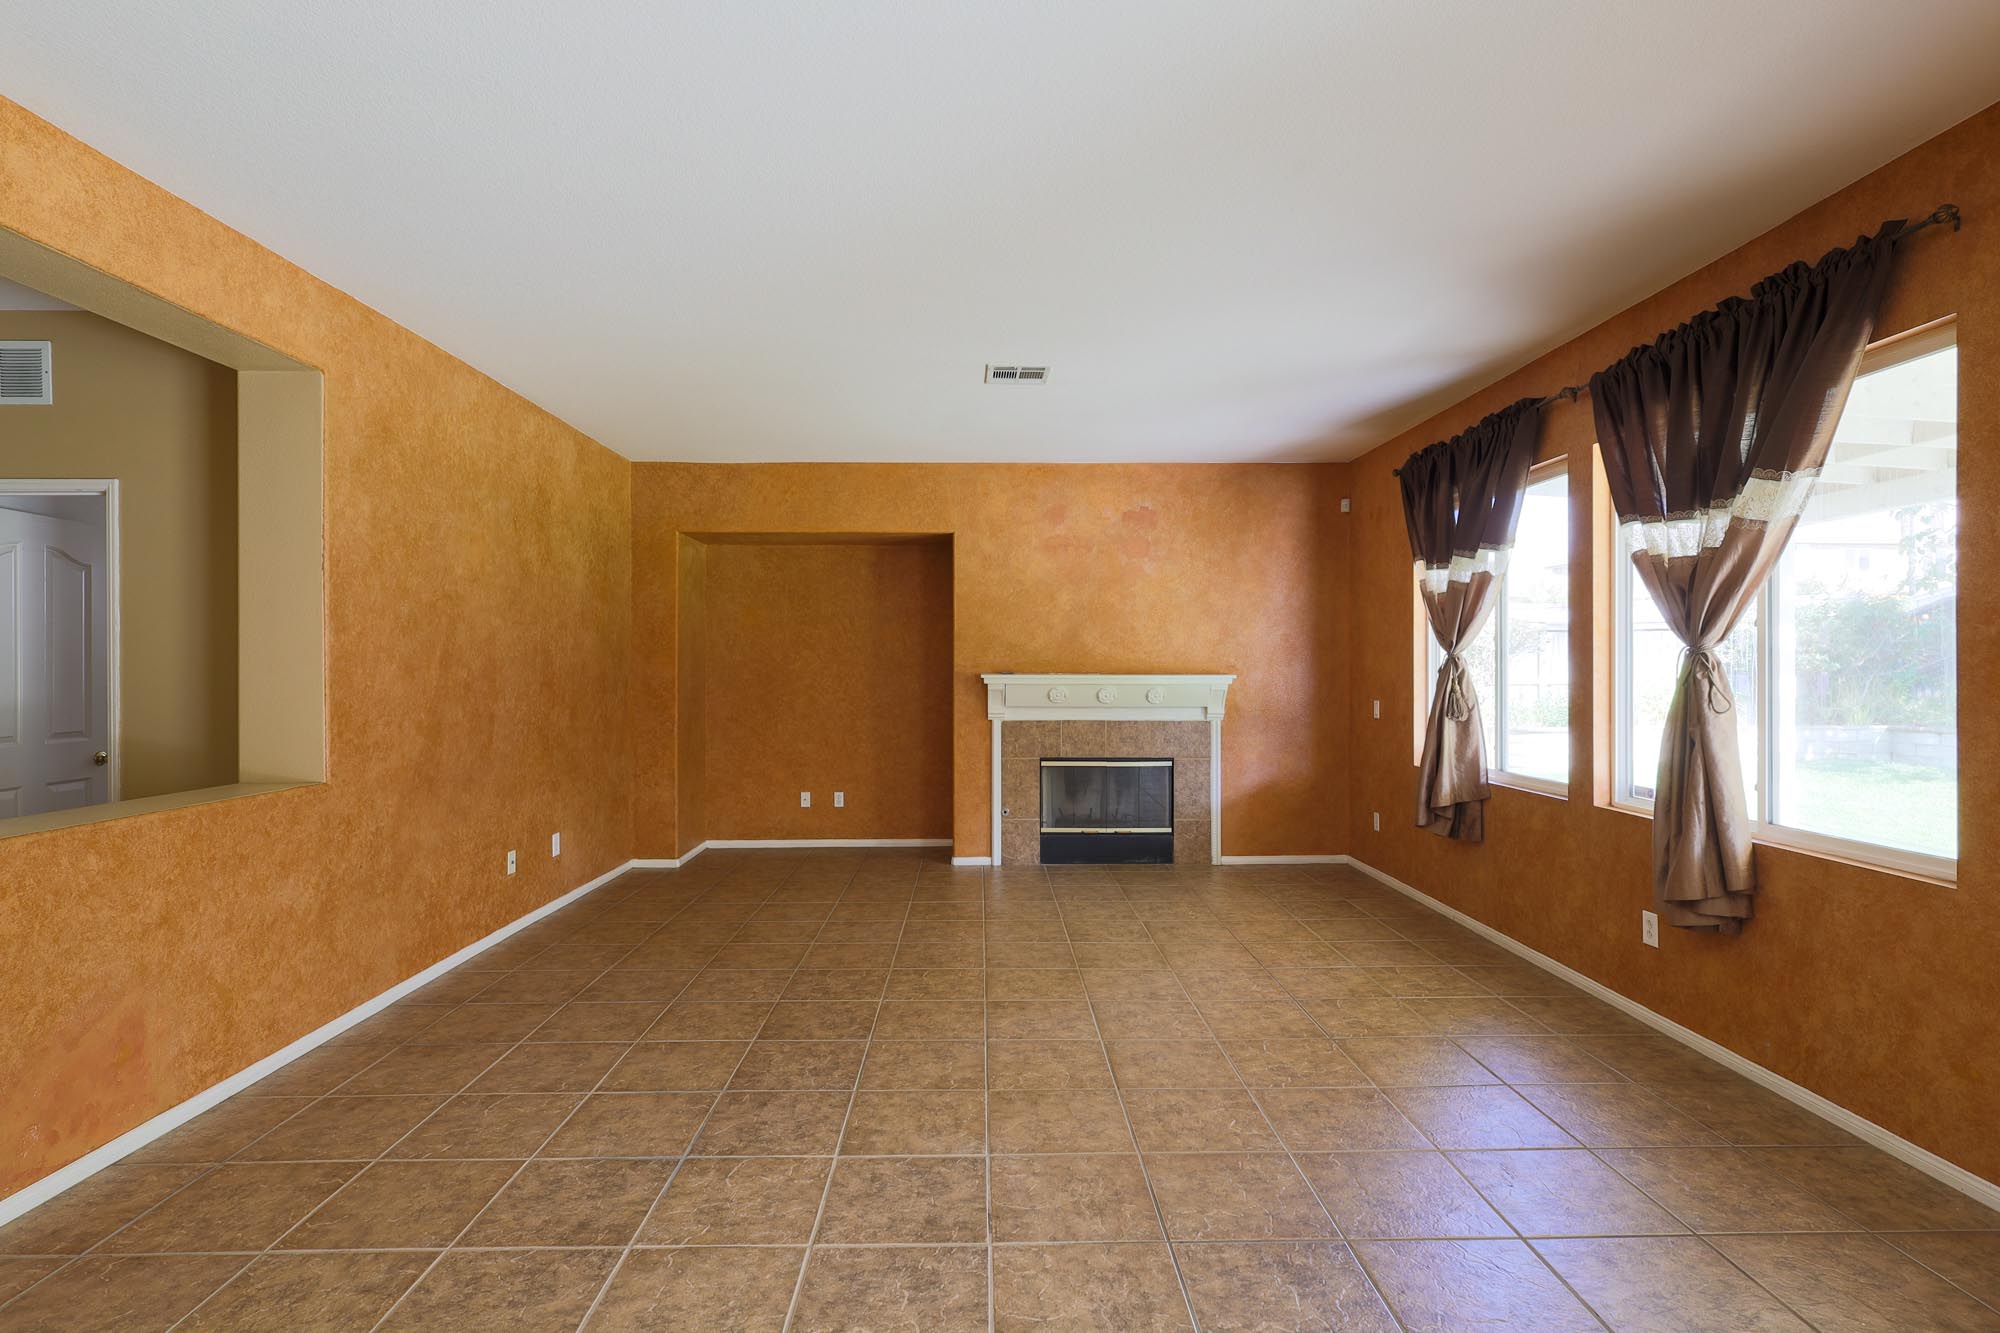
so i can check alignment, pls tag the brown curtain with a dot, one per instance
(1712, 438)
(1461, 498)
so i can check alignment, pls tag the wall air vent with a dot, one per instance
(1016, 374)
(27, 374)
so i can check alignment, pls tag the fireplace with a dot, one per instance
(1107, 811)
(1096, 768)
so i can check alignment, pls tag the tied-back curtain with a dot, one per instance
(1713, 437)
(1461, 499)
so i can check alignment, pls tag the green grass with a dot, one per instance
(1901, 805)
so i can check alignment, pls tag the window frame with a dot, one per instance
(1433, 657)
(1891, 351)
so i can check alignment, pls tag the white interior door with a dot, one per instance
(54, 664)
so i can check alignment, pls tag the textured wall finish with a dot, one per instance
(828, 669)
(162, 421)
(1230, 568)
(478, 603)
(1874, 990)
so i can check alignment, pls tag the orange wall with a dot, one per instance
(829, 669)
(478, 619)
(1236, 568)
(1874, 990)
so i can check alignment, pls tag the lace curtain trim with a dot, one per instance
(1762, 500)
(1487, 560)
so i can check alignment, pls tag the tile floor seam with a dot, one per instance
(625, 1251)
(840, 1139)
(1090, 914)
(1291, 1155)
(1698, 1235)
(1145, 1171)
(546, 1140)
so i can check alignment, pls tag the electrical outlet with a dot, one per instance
(555, 844)
(1378, 707)
(839, 800)
(1345, 504)
(1649, 929)
(1376, 816)
(510, 861)
(805, 800)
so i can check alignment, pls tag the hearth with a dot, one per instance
(1107, 811)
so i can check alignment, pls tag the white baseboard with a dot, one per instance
(138, 1137)
(826, 842)
(1923, 1159)
(972, 860)
(668, 862)
(1280, 860)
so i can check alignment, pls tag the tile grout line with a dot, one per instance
(625, 1251)
(368, 1164)
(986, 1088)
(833, 1163)
(1213, 900)
(1450, 1161)
(209, 1169)
(548, 1138)
(1104, 1052)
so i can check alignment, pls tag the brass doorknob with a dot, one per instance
(101, 759)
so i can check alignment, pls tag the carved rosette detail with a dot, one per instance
(1058, 694)
(1156, 695)
(1106, 695)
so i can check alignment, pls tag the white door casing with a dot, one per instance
(55, 670)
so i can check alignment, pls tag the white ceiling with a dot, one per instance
(750, 230)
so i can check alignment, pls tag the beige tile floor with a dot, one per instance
(865, 1090)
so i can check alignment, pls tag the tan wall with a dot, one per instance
(1227, 568)
(1874, 990)
(478, 601)
(163, 422)
(828, 669)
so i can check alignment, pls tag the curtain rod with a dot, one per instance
(1942, 213)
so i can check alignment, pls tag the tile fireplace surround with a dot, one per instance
(1038, 717)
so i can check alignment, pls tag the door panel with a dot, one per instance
(66, 643)
(54, 664)
(10, 646)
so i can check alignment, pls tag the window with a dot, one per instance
(1524, 692)
(1845, 670)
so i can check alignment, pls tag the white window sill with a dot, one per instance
(1523, 782)
(1937, 870)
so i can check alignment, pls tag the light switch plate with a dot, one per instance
(839, 800)
(510, 861)
(555, 844)
(805, 800)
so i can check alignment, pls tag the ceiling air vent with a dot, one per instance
(27, 375)
(1016, 374)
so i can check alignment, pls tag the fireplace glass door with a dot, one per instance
(1107, 810)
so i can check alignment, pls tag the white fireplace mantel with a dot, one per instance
(1138, 698)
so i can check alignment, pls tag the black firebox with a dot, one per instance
(1107, 811)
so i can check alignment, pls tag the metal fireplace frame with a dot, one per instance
(1107, 844)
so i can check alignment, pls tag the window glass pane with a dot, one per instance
(1865, 701)
(1535, 719)
(1653, 658)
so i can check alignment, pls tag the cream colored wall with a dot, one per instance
(163, 422)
